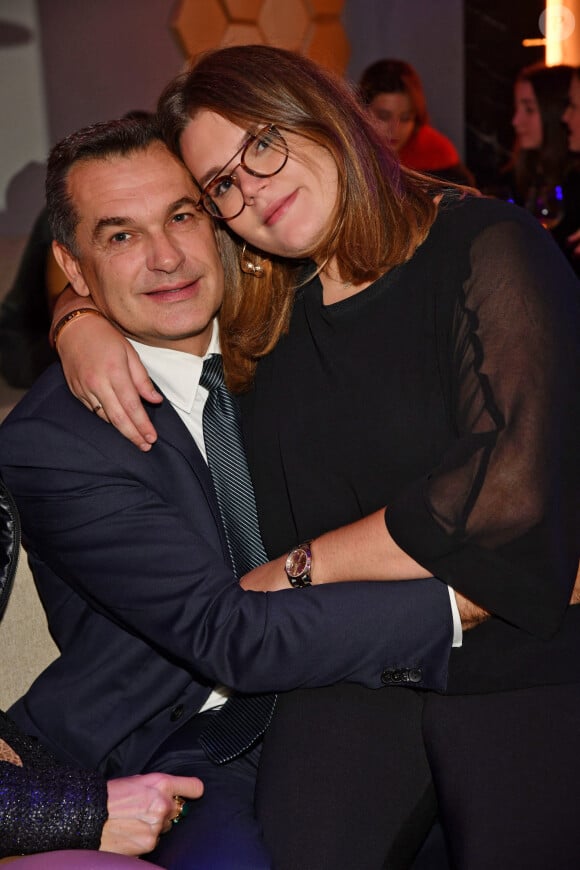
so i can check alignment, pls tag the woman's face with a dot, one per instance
(394, 117)
(285, 214)
(571, 116)
(527, 121)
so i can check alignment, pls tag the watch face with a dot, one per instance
(297, 562)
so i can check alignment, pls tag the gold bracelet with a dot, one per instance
(68, 318)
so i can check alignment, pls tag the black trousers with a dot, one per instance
(220, 831)
(345, 779)
(344, 782)
(506, 768)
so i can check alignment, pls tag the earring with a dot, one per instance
(248, 267)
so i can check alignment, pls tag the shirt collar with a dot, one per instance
(176, 373)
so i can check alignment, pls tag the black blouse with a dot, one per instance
(449, 391)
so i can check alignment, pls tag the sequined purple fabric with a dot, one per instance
(45, 805)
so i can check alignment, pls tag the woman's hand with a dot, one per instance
(270, 577)
(141, 808)
(104, 371)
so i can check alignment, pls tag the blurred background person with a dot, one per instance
(540, 175)
(540, 151)
(571, 119)
(394, 94)
(26, 311)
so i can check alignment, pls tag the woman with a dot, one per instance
(540, 175)
(386, 331)
(47, 806)
(540, 156)
(571, 119)
(394, 94)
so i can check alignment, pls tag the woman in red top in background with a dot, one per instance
(394, 94)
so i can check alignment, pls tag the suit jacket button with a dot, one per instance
(176, 713)
(415, 675)
(390, 676)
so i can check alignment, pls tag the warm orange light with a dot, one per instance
(558, 23)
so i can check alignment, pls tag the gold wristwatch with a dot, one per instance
(299, 565)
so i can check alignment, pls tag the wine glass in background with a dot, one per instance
(548, 205)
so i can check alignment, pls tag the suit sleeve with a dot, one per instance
(121, 544)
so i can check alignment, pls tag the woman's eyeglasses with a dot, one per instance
(263, 154)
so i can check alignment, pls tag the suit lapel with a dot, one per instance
(171, 429)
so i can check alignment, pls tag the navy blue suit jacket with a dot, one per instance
(130, 561)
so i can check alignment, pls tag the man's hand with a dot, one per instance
(141, 808)
(471, 614)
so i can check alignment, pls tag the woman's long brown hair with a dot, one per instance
(383, 212)
(551, 160)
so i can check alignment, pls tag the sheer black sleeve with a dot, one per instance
(498, 518)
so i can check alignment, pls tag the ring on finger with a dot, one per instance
(96, 408)
(181, 804)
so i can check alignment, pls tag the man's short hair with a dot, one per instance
(99, 141)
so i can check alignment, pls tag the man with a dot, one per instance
(128, 548)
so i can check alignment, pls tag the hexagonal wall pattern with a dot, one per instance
(199, 25)
(284, 24)
(242, 34)
(328, 45)
(311, 27)
(242, 10)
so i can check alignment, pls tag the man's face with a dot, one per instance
(146, 255)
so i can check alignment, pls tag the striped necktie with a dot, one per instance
(243, 718)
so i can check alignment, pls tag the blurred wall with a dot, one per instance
(77, 61)
(104, 57)
(23, 120)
